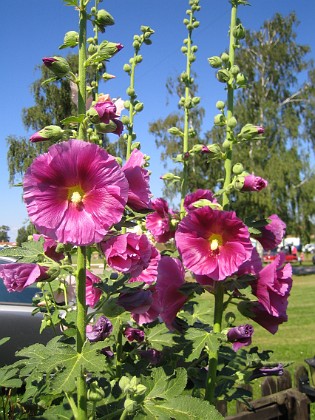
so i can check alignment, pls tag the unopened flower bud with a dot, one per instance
(196, 100)
(138, 58)
(239, 31)
(131, 92)
(220, 105)
(241, 80)
(238, 168)
(114, 126)
(127, 104)
(51, 132)
(215, 62)
(175, 131)
(139, 107)
(250, 132)
(95, 393)
(223, 75)
(225, 57)
(235, 70)
(214, 148)
(226, 144)
(107, 76)
(58, 65)
(127, 68)
(103, 18)
(71, 40)
(232, 122)
(219, 120)
(170, 177)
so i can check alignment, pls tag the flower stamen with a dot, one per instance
(215, 241)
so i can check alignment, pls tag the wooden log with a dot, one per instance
(268, 386)
(284, 381)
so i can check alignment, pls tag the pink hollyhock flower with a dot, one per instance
(272, 234)
(149, 274)
(93, 294)
(213, 243)
(159, 222)
(138, 301)
(254, 183)
(275, 370)
(240, 336)
(50, 246)
(153, 311)
(171, 276)
(258, 313)
(151, 355)
(17, 276)
(138, 179)
(200, 194)
(128, 253)
(100, 330)
(75, 192)
(134, 334)
(273, 286)
(252, 266)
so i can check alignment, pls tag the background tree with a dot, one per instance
(4, 237)
(23, 233)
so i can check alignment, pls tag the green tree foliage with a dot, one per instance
(23, 233)
(4, 237)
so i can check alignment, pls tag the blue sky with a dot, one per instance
(33, 29)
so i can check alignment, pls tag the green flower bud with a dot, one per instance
(215, 149)
(127, 68)
(139, 107)
(130, 405)
(50, 132)
(184, 50)
(226, 144)
(175, 131)
(225, 57)
(219, 120)
(186, 21)
(170, 177)
(95, 393)
(235, 70)
(125, 119)
(131, 92)
(239, 31)
(196, 100)
(136, 45)
(241, 80)
(107, 76)
(223, 75)
(103, 18)
(58, 65)
(136, 145)
(92, 49)
(127, 104)
(138, 58)
(238, 168)
(220, 105)
(90, 40)
(232, 122)
(215, 62)
(196, 24)
(93, 116)
(71, 39)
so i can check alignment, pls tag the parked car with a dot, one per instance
(309, 248)
(17, 321)
(271, 255)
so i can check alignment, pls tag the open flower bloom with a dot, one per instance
(128, 253)
(197, 195)
(240, 336)
(134, 334)
(138, 179)
(93, 294)
(258, 313)
(75, 192)
(159, 222)
(149, 274)
(17, 276)
(152, 312)
(100, 330)
(273, 286)
(271, 234)
(171, 275)
(213, 243)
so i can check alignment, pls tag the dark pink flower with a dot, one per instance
(258, 313)
(159, 222)
(273, 286)
(252, 266)
(151, 355)
(254, 183)
(75, 192)
(138, 179)
(171, 276)
(276, 370)
(17, 276)
(272, 234)
(100, 330)
(134, 334)
(50, 246)
(149, 274)
(128, 253)
(200, 194)
(136, 301)
(93, 294)
(240, 336)
(151, 313)
(213, 243)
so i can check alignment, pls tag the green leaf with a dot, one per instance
(51, 79)
(9, 378)
(162, 386)
(28, 252)
(181, 408)
(201, 339)
(159, 337)
(104, 52)
(4, 340)
(73, 119)
(70, 2)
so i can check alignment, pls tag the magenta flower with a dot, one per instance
(171, 276)
(273, 286)
(276, 370)
(100, 330)
(17, 276)
(240, 336)
(75, 192)
(213, 243)
(128, 253)
(200, 194)
(253, 183)
(50, 246)
(159, 222)
(272, 234)
(93, 294)
(149, 274)
(252, 266)
(134, 334)
(138, 179)
(138, 301)
(258, 313)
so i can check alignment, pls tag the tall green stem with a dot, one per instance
(81, 260)
(131, 107)
(219, 290)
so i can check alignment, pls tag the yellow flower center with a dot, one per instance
(215, 241)
(76, 194)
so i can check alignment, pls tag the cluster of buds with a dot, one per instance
(105, 115)
(244, 181)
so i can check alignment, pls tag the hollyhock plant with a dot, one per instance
(273, 286)
(134, 334)
(105, 110)
(149, 274)
(240, 336)
(100, 330)
(93, 294)
(137, 301)
(159, 222)
(139, 194)
(50, 246)
(128, 253)
(197, 195)
(258, 313)
(171, 276)
(251, 183)
(75, 192)
(272, 234)
(213, 243)
(17, 276)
